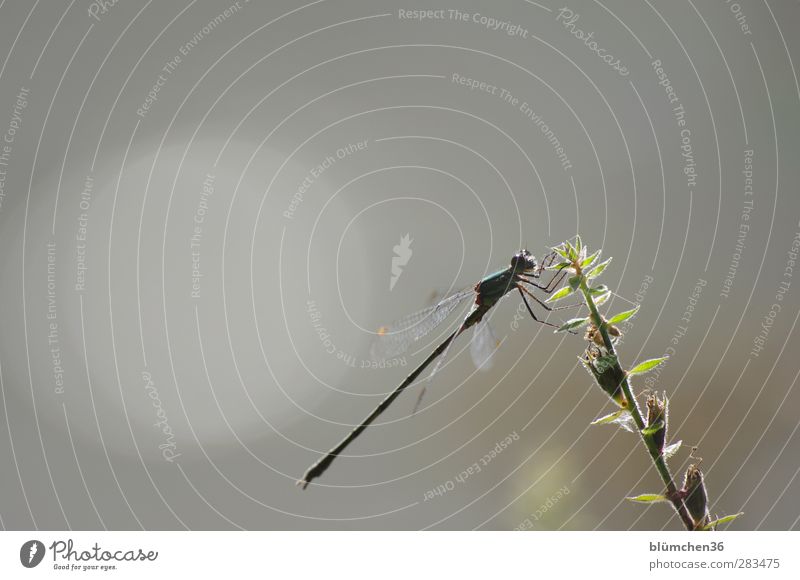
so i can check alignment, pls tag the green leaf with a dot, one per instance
(671, 450)
(653, 429)
(573, 323)
(586, 262)
(623, 316)
(646, 366)
(610, 418)
(626, 422)
(647, 498)
(598, 290)
(598, 300)
(564, 292)
(622, 418)
(571, 253)
(578, 244)
(574, 281)
(561, 251)
(723, 520)
(560, 266)
(597, 270)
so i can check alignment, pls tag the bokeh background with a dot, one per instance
(200, 206)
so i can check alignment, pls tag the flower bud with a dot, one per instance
(595, 336)
(695, 497)
(657, 420)
(607, 373)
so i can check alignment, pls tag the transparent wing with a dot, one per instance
(395, 338)
(482, 348)
(443, 358)
(483, 345)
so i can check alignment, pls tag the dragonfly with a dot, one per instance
(523, 274)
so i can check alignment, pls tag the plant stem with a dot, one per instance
(633, 407)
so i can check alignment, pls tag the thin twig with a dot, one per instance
(691, 500)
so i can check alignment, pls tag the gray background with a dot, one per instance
(240, 376)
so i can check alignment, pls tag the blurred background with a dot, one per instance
(208, 208)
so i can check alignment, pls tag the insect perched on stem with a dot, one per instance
(522, 275)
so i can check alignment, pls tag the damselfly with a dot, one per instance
(523, 274)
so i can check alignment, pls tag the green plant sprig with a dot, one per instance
(691, 501)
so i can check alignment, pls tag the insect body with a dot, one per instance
(523, 273)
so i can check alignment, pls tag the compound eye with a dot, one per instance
(525, 261)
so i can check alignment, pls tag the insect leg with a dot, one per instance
(548, 260)
(530, 310)
(550, 287)
(543, 304)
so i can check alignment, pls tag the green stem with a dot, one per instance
(633, 407)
